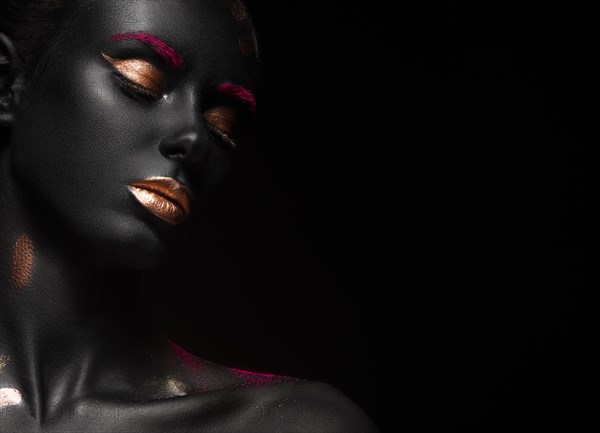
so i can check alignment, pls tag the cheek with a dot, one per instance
(76, 133)
(80, 140)
(213, 175)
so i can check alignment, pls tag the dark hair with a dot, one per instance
(35, 27)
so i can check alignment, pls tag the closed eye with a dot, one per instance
(223, 122)
(141, 73)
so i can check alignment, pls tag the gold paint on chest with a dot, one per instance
(3, 362)
(9, 397)
(22, 262)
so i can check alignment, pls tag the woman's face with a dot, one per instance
(142, 93)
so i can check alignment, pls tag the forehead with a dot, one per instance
(205, 32)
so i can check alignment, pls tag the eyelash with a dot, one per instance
(135, 91)
(222, 136)
(146, 96)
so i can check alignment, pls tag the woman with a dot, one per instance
(122, 118)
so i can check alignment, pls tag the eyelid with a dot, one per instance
(223, 136)
(223, 119)
(140, 72)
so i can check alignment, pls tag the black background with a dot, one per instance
(408, 226)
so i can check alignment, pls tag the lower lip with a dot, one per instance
(158, 205)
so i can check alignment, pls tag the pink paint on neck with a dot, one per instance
(239, 93)
(168, 53)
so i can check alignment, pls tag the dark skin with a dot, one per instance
(75, 355)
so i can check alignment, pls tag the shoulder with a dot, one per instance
(245, 401)
(296, 405)
(334, 411)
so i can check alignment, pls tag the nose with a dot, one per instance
(185, 147)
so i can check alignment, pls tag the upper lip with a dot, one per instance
(168, 188)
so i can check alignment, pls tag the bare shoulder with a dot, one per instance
(295, 405)
(244, 401)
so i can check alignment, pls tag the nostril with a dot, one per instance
(176, 152)
(185, 148)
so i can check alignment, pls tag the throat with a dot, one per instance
(60, 315)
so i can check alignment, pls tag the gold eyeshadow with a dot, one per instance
(139, 72)
(222, 118)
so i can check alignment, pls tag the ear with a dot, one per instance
(12, 78)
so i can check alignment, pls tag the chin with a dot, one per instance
(131, 244)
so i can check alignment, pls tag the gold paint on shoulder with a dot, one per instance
(175, 388)
(22, 262)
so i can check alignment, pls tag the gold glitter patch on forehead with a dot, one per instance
(22, 262)
(239, 10)
(249, 44)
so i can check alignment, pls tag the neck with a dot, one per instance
(59, 310)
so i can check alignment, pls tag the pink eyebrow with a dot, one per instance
(164, 50)
(239, 93)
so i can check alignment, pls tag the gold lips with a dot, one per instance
(163, 197)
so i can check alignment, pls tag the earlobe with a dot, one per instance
(11, 80)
